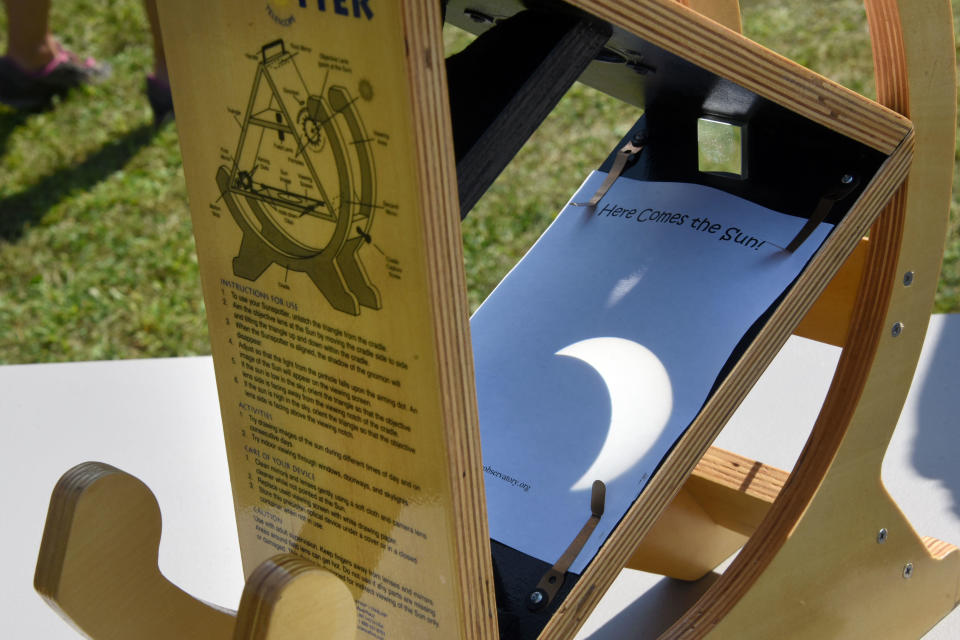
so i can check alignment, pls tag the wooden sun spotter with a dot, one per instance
(704, 429)
(621, 544)
(812, 558)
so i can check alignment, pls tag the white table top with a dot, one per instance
(160, 421)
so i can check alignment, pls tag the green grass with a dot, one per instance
(832, 39)
(96, 251)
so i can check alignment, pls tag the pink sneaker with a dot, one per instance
(32, 90)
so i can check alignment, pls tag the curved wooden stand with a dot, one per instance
(829, 553)
(98, 569)
(835, 557)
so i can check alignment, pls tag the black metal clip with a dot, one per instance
(838, 192)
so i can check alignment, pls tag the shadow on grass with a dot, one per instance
(29, 206)
(9, 121)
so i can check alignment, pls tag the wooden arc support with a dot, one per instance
(818, 565)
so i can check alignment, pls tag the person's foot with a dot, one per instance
(161, 102)
(30, 90)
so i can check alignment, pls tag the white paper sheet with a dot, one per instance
(599, 348)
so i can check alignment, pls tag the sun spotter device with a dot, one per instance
(302, 184)
(353, 437)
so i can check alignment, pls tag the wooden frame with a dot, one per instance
(805, 526)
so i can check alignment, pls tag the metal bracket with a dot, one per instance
(841, 190)
(546, 590)
(627, 154)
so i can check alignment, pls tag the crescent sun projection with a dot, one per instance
(641, 400)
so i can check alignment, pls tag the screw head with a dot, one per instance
(846, 178)
(897, 329)
(908, 570)
(908, 278)
(881, 536)
(536, 597)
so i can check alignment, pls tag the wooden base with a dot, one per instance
(98, 563)
(98, 569)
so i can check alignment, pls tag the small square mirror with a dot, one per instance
(720, 147)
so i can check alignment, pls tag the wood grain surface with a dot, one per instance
(680, 30)
(816, 555)
(815, 549)
(351, 429)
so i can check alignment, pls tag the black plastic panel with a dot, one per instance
(790, 160)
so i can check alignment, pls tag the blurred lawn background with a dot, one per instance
(97, 259)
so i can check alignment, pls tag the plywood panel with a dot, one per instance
(317, 151)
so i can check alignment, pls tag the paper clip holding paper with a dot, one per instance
(841, 190)
(552, 580)
(627, 154)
